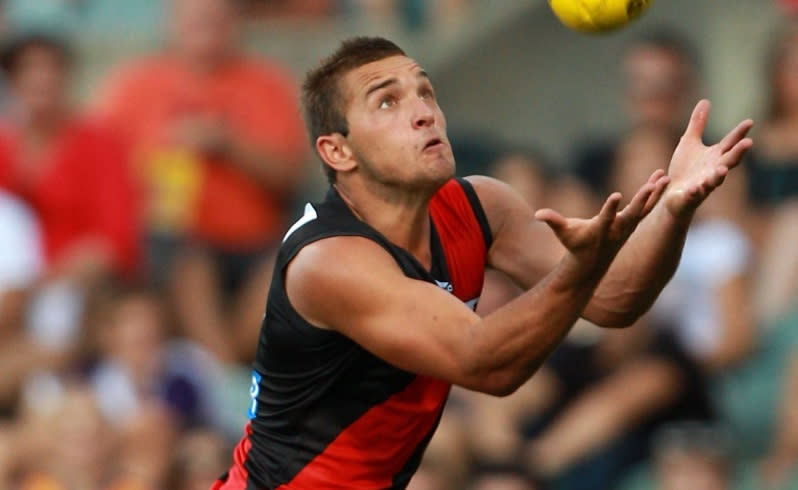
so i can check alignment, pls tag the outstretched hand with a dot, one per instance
(594, 242)
(696, 169)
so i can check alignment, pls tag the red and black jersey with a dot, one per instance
(326, 413)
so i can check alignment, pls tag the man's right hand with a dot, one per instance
(593, 243)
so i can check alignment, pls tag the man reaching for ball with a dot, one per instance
(370, 314)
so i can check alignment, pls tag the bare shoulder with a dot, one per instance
(523, 248)
(498, 199)
(335, 274)
(488, 187)
(338, 257)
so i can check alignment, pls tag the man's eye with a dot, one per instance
(387, 102)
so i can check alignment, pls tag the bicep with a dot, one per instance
(498, 289)
(362, 293)
(523, 248)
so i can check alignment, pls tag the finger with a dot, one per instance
(653, 199)
(656, 176)
(638, 202)
(694, 194)
(717, 177)
(701, 192)
(735, 135)
(555, 220)
(698, 120)
(733, 157)
(610, 208)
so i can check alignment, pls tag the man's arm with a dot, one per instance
(649, 259)
(524, 249)
(353, 286)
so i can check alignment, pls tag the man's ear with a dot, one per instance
(335, 151)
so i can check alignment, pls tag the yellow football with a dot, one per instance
(598, 15)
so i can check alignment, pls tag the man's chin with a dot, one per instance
(439, 170)
(437, 180)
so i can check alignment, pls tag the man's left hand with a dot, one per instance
(696, 169)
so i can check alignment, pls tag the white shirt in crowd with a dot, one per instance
(21, 257)
(715, 251)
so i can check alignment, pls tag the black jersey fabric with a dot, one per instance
(326, 413)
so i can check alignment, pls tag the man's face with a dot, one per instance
(397, 131)
(657, 86)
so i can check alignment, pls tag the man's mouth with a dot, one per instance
(433, 144)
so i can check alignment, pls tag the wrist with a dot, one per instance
(574, 275)
(676, 218)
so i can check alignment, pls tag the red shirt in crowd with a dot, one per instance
(80, 188)
(201, 195)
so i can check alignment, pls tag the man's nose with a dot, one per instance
(423, 115)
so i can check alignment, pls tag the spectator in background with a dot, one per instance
(659, 80)
(73, 175)
(774, 184)
(779, 468)
(774, 165)
(66, 444)
(68, 168)
(201, 457)
(218, 142)
(608, 397)
(141, 366)
(21, 262)
(692, 456)
(62, 441)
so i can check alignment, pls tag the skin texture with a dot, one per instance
(387, 171)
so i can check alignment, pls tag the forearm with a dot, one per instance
(641, 270)
(512, 342)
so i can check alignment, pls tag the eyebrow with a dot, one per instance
(381, 85)
(391, 81)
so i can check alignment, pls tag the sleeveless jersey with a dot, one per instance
(327, 414)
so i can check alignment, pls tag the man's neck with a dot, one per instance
(403, 218)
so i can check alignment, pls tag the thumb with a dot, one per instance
(555, 220)
(698, 120)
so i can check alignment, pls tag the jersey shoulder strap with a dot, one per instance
(464, 235)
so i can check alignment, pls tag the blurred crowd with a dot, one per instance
(137, 231)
